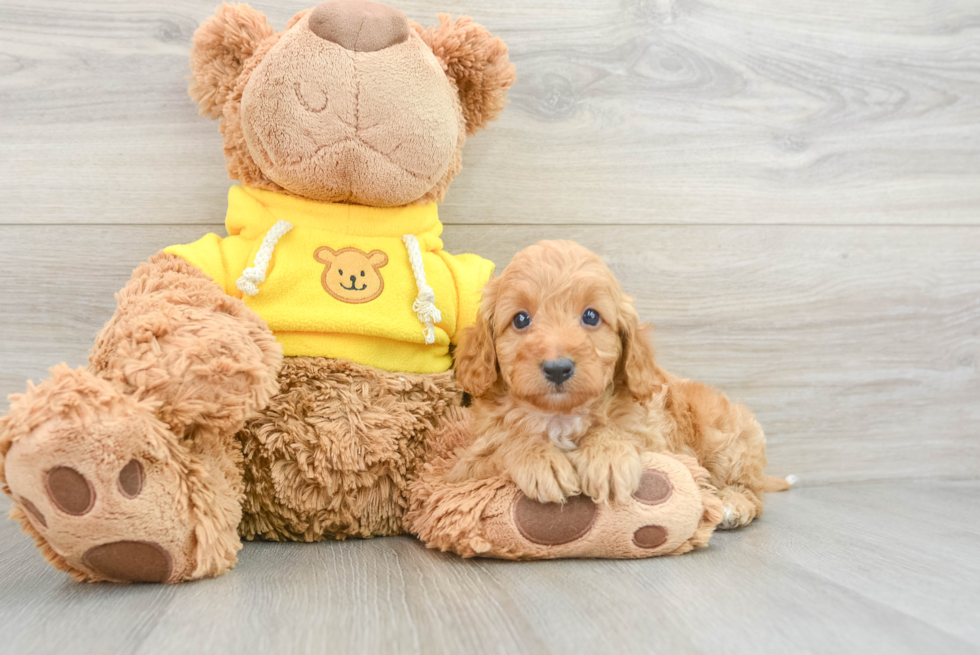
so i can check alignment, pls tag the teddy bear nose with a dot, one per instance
(359, 25)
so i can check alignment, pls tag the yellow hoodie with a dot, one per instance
(337, 280)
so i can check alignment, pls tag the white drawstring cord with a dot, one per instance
(253, 276)
(425, 303)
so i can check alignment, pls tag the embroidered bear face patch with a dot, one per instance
(352, 275)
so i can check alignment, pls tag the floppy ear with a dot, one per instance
(478, 63)
(637, 364)
(219, 50)
(377, 258)
(476, 357)
(324, 255)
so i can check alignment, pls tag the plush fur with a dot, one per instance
(587, 434)
(332, 455)
(398, 117)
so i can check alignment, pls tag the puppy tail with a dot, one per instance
(778, 484)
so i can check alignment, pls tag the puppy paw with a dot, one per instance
(738, 510)
(546, 477)
(607, 470)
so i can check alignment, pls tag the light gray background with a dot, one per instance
(789, 188)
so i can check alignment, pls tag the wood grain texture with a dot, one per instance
(791, 190)
(857, 347)
(829, 570)
(638, 111)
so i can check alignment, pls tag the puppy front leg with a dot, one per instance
(609, 468)
(477, 462)
(534, 464)
(541, 471)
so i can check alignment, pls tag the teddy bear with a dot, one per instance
(292, 381)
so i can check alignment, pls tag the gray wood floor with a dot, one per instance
(791, 190)
(858, 568)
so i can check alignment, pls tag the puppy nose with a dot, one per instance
(359, 25)
(558, 370)
(353, 279)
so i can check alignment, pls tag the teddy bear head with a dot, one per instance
(352, 102)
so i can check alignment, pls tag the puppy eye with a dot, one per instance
(362, 273)
(341, 271)
(591, 317)
(521, 320)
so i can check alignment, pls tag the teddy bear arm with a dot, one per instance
(178, 339)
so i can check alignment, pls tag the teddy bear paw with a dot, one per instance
(102, 509)
(659, 518)
(97, 485)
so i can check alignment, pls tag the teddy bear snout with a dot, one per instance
(359, 25)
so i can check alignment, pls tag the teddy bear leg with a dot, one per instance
(673, 511)
(333, 453)
(129, 470)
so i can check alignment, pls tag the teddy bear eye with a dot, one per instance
(341, 271)
(521, 320)
(362, 273)
(591, 317)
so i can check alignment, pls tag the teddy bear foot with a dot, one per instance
(674, 510)
(105, 489)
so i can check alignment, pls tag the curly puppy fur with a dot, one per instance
(586, 434)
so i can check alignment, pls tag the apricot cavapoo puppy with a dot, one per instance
(567, 393)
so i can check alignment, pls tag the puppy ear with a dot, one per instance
(219, 50)
(476, 356)
(637, 364)
(478, 63)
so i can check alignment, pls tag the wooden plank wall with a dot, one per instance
(790, 188)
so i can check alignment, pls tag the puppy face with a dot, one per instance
(555, 330)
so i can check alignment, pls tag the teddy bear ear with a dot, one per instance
(325, 255)
(378, 258)
(219, 50)
(300, 15)
(477, 61)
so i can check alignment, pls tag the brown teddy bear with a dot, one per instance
(189, 429)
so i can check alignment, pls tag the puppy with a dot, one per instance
(567, 393)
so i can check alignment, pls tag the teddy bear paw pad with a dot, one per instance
(553, 524)
(655, 488)
(69, 491)
(131, 479)
(130, 561)
(650, 536)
